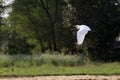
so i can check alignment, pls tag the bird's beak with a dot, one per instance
(89, 29)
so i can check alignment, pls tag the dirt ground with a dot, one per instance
(77, 77)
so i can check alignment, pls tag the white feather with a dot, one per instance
(81, 33)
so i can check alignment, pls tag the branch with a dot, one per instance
(35, 29)
(47, 6)
(42, 5)
(56, 10)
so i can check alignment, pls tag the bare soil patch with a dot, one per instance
(75, 77)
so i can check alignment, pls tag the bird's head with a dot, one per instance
(83, 27)
(77, 26)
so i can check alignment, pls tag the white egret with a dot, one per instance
(81, 33)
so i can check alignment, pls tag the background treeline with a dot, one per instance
(41, 26)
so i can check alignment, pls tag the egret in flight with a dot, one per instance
(81, 33)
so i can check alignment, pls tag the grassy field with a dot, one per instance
(89, 69)
(53, 65)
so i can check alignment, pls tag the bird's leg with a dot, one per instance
(80, 52)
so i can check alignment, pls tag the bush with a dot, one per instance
(38, 60)
(19, 46)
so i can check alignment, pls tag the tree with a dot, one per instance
(103, 17)
(2, 8)
(38, 21)
(3, 35)
(52, 19)
(1, 11)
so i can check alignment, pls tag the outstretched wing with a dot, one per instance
(81, 36)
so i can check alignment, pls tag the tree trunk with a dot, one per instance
(54, 48)
(36, 30)
(51, 19)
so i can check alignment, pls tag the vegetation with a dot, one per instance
(104, 69)
(41, 34)
(103, 18)
(39, 60)
(33, 65)
(53, 64)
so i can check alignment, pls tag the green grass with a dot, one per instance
(56, 64)
(88, 69)
(38, 60)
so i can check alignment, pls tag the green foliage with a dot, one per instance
(22, 60)
(88, 69)
(103, 18)
(5, 61)
(63, 51)
(52, 64)
(37, 20)
(36, 26)
(3, 34)
(68, 15)
(19, 46)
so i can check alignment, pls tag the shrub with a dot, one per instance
(39, 60)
